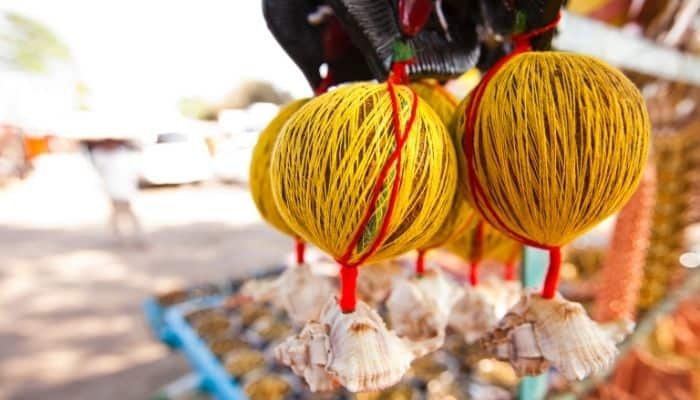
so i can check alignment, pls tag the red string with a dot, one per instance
(348, 288)
(473, 273)
(552, 278)
(477, 252)
(420, 263)
(399, 72)
(325, 83)
(348, 297)
(509, 271)
(299, 248)
(522, 44)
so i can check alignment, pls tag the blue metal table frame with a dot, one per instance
(171, 327)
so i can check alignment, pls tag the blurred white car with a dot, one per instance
(176, 158)
(241, 129)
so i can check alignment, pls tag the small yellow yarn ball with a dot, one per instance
(495, 245)
(260, 188)
(560, 142)
(442, 102)
(328, 159)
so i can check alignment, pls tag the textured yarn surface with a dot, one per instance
(560, 142)
(330, 155)
(260, 188)
(495, 245)
(438, 98)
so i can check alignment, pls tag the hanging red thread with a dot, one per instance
(477, 252)
(509, 266)
(348, 297)
(348, 288)
(325, 84)
(299, 249)
(509, 271)
(420, 263)
(522, 44)
(552, 278)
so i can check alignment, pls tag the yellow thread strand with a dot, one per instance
(260, 188)
(560, 143)
(444, 105)
(328, 158)
(439, 99)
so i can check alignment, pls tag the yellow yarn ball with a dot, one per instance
(560, 142)
(444, 104)
(437, 97)
(494, 246)
(327, 161)
(260, 188)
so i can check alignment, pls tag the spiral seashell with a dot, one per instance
(419, 307)
(537, 333)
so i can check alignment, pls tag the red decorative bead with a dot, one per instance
(413, 15)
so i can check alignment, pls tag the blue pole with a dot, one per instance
(532, 271)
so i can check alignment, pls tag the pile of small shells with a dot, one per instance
(244, 334)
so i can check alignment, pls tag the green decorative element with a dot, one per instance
(401, 51)
(520, 22)
(532, 271)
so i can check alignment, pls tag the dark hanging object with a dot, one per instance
(442, 53)
(312, 45)
(538, 14)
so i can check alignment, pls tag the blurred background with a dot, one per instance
(188, 86)
(126, 131)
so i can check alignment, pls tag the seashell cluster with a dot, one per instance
(419, 307)
(537, 333)
(298, 291)
(482, 306)
(354, 350)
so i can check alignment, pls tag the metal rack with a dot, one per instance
(170, 326)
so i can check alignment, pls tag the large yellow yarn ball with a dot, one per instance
(560, 142)
(437, 97)
(327, 161)
(260, 188)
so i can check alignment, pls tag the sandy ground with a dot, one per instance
(71, 326)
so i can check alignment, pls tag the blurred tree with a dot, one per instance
(28, 45)
(249, 92)
(195, 107)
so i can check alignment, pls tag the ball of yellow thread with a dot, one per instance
(494, 246)
(444, 104)
(437, 97)
(328, 159)
(560, 142)
(260, 188)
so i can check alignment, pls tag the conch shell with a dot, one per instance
(375, 281)
(419, 307)
(482, 306)
(299, 291)
(538, 332)
(353, 350)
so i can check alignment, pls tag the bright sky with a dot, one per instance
(147, 54)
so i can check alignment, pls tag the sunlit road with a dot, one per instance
(70, 320)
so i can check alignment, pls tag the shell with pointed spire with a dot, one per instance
(299, 291)
(419, 307)
(354, 350)
(539, 332)
(482, 306)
